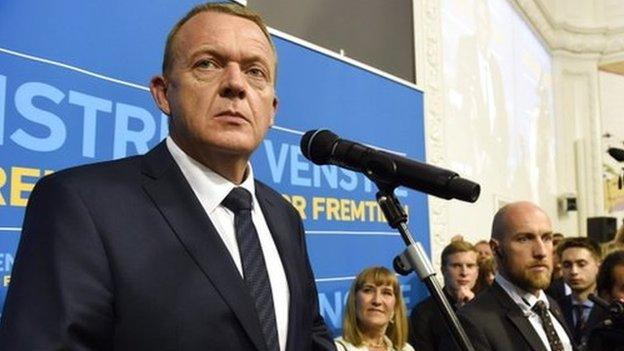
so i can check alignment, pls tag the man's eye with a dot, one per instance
(256, 72)
(205, 64)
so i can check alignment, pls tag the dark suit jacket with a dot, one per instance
(427, 326)
(121, 255)
(596, 316)
(493, 321)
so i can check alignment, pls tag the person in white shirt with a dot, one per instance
(180, 248)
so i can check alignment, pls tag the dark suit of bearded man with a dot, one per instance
(501, 325)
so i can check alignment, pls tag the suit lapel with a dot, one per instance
(566, 309)
(284, 239)
(177, 202)
(517, 317)
(554, 309)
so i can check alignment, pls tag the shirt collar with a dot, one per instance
(587, 303)
(210, 187)
(524, 299)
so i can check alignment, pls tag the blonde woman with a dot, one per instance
(375, 317)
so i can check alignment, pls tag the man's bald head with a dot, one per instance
(510, 214)
(522, 243)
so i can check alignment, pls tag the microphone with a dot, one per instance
(322, 147)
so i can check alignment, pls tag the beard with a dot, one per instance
(530, 281)
(525, 278)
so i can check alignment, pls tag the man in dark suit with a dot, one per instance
(580, 262)
(153, 252)
(427, 326)
(609, 334)
(515, 314)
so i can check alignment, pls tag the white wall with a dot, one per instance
(498, 121)
(546, 139)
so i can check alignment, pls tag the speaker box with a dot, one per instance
(601, 229)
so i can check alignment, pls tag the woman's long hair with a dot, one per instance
(397, 329)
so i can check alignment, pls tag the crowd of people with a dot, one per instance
(526, 288)
(89, 273)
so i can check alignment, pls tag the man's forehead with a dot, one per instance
(216, 27)
(462, 256)
(575, 253)
(531, 221)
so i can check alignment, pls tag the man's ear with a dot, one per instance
(275, 103)
(158, 88)
(495, 246)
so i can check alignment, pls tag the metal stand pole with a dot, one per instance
(415, 259)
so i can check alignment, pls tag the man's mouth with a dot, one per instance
(233, 114)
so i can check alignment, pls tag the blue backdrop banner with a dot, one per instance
(73, 90)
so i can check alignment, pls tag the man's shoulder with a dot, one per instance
(488, 302)
(153, 162)
(94, 181)
(94, 172)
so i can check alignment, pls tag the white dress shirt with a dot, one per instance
(525, 300)
(210, 189)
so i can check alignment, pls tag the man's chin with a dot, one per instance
(539, 281)
(532, 282)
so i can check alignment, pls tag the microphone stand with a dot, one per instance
(415, 259)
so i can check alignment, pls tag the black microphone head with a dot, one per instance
(616, 153)
(464, 189)
(317, 145)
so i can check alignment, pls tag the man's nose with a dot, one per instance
(540, 249)
(463, 270)
(233, 83)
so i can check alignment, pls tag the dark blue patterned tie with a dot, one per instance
(580, 322)
(553, 339)
(254, 267)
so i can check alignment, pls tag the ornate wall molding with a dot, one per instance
(579, 51)
(576, 79)
(433, 84)
(601, 40)
(591, 134)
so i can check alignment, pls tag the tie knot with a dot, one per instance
(237, 200)
(540, 307)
